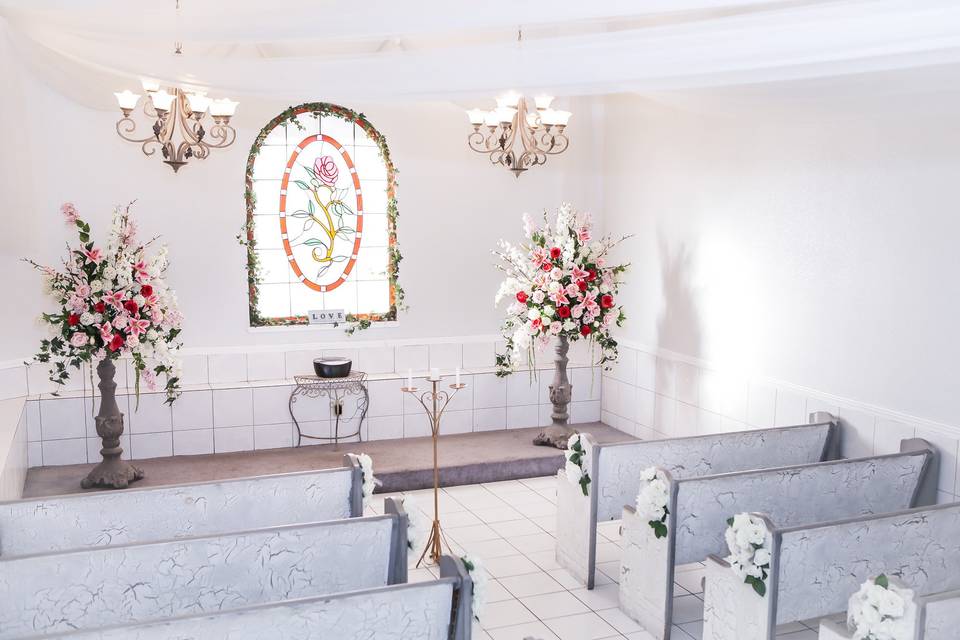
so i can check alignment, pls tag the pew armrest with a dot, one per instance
(398, 544)
(461, 616)
(926, 491)
(731, 609)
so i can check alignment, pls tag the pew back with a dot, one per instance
(816, 568)
(98, 587)
(132, 516)
(616, 467)
(791, 496)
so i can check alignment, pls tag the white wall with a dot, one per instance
(453, 207)
(785, 234)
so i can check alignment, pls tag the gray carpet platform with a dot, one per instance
(401, 465)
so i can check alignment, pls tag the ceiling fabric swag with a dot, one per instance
(730, 42)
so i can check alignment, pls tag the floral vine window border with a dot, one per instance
(327, 206)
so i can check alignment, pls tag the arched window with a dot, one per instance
(321, 230)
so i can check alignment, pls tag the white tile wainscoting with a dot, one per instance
(238, 401)
(653, 393)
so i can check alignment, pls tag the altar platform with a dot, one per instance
(401, 465)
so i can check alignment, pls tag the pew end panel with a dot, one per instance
(732, 610)
(832, 447)
(461, 613)
(398, 541)
(647, 569)
(576, 546)
(356, 485)
(926, 493)
(938, 616)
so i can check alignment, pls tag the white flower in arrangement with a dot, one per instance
(109, 273)
(578, 453)
(369, 481)
(96, 286)
(418, 527)
(652, 500)
(881, 610)
(749, 558)
(479, 577)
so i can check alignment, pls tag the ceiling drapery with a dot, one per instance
(431, 49)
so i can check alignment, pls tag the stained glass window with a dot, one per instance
(321, 218)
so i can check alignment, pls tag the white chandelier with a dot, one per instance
(177, 123)
(517, 137)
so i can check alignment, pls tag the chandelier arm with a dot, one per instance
(149, 146)
(129, 126)
(220, 136)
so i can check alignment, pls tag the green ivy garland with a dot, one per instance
(357, 322)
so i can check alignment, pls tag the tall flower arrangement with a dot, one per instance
(559, 283)
(112, 302)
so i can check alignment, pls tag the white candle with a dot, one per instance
(409, 378)
(434, 374)
(458, 376)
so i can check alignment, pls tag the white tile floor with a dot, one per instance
(510, 525)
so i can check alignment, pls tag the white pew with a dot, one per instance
(104, 518)
(614, 471)
(815, 568)
(699, 508)
(103, 586)
(938, 618)
(435, 610)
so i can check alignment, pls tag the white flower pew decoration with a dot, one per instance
(882, 610)
(652, 500)
(577, 453)
(418, 527)
(479, 577)
(369, 482)
(749, 558)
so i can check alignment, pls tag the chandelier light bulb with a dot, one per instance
(199, 102)
(533, 120)
(162, 100)
(509, 99)
(561, 118)
(477, 116)
(543, 102)
(150, 85)
(223, 108)
(127, 100)
(505, 114)
(490, 118)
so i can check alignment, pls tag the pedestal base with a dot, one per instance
(112, 474)
(554, 436)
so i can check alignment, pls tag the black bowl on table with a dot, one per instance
(332, 367)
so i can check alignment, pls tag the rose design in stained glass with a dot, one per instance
(321, 213)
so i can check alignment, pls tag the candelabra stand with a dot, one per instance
(434, 402)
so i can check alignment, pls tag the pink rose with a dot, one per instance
(79, 339)
(326, 170)
(83, 291)
(69, 212)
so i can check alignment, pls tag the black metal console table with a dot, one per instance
(336, 389)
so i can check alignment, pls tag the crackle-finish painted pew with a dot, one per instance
(435, 610)
(103, 586)
(699, 508)
(938, 618)
(815, 568)
(615, 468)
(104, 518)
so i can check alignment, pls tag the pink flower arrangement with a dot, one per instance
(559, 284)
(112, 303)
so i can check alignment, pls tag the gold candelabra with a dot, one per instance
(434, 402)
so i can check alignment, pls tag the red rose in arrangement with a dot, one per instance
(585, 330)
(521, 296)
(100, 307)
(555, 253)
(73, 319)
(146, 291)
(581, 285)
(563, 312)
(591, 274)
(131, 307)
(115, 342)
(606, 301)
(547, 266)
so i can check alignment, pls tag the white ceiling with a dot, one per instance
(441, 49)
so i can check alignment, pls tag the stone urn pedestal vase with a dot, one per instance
(112, 472)
(557, 434)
